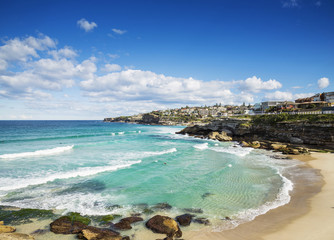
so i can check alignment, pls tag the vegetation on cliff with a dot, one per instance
(285, 117)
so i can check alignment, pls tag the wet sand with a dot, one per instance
(309, 214)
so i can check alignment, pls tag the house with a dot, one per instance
(286, 105)
(304, 100)
(329, 97)
(268, 104)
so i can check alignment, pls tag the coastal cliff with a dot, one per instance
(290, 137)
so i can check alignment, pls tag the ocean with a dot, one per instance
(98, 168)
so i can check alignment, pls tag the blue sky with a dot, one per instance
(95, 59)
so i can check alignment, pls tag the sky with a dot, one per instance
(87, 60)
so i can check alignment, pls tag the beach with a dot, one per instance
(308, 215)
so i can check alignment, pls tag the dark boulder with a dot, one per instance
(202, 221)
(184, 219)
(163, 206)
(125, 223)
(165, 225)
(65, 225)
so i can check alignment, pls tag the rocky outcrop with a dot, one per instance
(65, 225)
(184, 219)
(125, 223)
(6, 229)
(94, 233)
(296, 136)
(164, 225)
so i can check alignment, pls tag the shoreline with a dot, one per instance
(308, 215)
(285, 222)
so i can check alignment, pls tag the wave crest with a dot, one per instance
(45, 152)
(80, 172)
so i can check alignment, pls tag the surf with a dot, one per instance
(38, 153)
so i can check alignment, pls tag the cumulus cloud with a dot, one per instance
(33, 73)
(323, 82)
(119, 31)
(285, 96)
(138, 85)
(255, 84)
(112, 68)
(24, 50)
(66, 52)
(85, 25)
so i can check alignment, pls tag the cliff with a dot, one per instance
(292, 137)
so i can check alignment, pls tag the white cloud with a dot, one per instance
(33, 73)
(285, 96)
(323, 82)
(113, 56)
(24, 49)
(290, 3)
(279, 96)
(137, 86)
(66, 52)
(255, 84)
(112, 68)
(85, 25)
(118, 31)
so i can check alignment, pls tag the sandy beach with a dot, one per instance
(309, 215)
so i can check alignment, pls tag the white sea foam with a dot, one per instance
(201, 146)
(235, 149)
(38, 153)
(283, 197)
(80, 172)
(148, 154)
(120, 133)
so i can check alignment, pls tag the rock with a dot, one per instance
(255, 144)
(15, 236)
(39, 232)
(165, 225)
(6, 229)
(302, 150)
(125, 223)
(163, 206)
(94, 233)
(126, 238)
(219, 136)
(277, 146)
(296, 140)
(245, 144)
(202, 221)
(64, 225)
(205, 195)
(184, 219)
(193, 210)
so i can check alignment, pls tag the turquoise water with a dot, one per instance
(98, 168)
